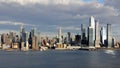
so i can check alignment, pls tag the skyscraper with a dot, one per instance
(83, 31)
(90, 36)
(22, 29)
(33, 32)
(92, 25)
(35, 45)
(60, 35)
(83, 34)
(39, 37)
(92, 22)
(109, 36)
(24, 43)
(68, 38)
(103, 36)
(113, 42)
(97, 37)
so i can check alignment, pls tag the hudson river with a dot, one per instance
(60, 59)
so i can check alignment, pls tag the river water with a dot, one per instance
(60, 59)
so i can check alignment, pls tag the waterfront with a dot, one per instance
(60, 59)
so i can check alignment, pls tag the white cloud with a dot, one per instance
(45, 2)
(14, 23)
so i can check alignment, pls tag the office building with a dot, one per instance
(35, 45)
(90, 36)
(113, 42)
(83, 35)
(60, 35)
(68, 38)
(78, 39)
(103, 37)
(109, 36)
(97, 37)
(39, 37)
(73, 38)
(24, 41)
(33, 32)
(92, 25)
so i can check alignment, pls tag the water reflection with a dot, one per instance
(110, 52)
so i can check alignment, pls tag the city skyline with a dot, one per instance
(49, 15)
(90, 37)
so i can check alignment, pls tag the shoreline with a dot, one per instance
(60, 49)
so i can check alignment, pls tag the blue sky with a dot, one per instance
(49, 15)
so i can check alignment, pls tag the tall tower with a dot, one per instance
(92, 25)
(83, 34)
(83, 31)
(97, 37)
(22, 29)
(91, 31)
(68, 37)
(92, 22)
(39, 41)
(103, 36)
(60, 35)
(26, 41)
(90, 36)
(35, 45)
(109, 36)
(33, 32)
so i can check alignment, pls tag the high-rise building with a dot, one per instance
(90, 36)
(73, 38)
(78, 39)
(92, 22)
(68, 37)
(39, 37)
(22, 29)
(35, 45)
(24, 41)
(97, 37)
(113, 42)
(60, 35)
(92, 25)
(103, 36)
(109, 36)
(33, 32)
(23, 37)
(83, 34)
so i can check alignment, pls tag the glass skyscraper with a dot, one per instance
(109, 36)
(92, 25)
(91, 31)
(90, 36)
(97, 37)
(103, 36)
(60, 35)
